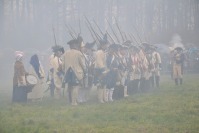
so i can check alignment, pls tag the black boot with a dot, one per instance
(181, 81)
(142, 82)
(157, 81)
(69, 96)
(176, 81)
(151, 79)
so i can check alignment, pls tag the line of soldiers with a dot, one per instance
(117, 70)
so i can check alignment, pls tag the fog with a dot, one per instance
(27, 25)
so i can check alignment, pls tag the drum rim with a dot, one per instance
(32, 76)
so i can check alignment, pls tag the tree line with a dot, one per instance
(29, 22)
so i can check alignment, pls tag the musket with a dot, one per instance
(126, 38)
(113, 41)
(70, 33)
(148, 37)
(54, 36)
(130, 37)
(73, 31)
(96, 35)
(144, 33)
(98, 27)
(119, 29)
(91, 32)
(134, 38)
(80, 30)
(137, 34)
(101, 30)
(113, 31)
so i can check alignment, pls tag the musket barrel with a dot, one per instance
(113, 31)
(92, 33)
(119, 29)
(54, 36)
(137, 34)
(113, 41)
(70, 33)
(98, 27)
(89, 24)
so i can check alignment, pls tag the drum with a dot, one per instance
(31, 80)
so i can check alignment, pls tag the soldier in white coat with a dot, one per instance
(88, 51)
(155, 79)
(101, 71)
(56, 62)
(177, 61)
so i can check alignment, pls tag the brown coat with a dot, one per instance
(76, 60)
(19, 74)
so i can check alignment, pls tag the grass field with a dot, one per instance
(170, 109)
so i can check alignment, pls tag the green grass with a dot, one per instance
(171, 109)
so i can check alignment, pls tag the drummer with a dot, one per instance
(37, 71)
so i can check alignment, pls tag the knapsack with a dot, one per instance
(70, 77)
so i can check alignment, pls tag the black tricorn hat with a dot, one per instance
(57, 48)
(104, 41)
(153, 47)
(90, 45)
(124, 46)
(127, 43)
(62, 49)
(105, 37)
(72, 42)
(179, 48)
(145, 44)
(114, 46)
(134, 47)
(79, 39)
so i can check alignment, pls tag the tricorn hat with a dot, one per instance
(57, 48)
(145, 44)
(90, 45)
(134, 47)
(155, 47)
(127, 43)
(179, 48)
(124, 47)
(114, 47)
(72, 42)
(79, 39)
(104, 41)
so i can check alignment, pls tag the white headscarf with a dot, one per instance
(18, 55)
